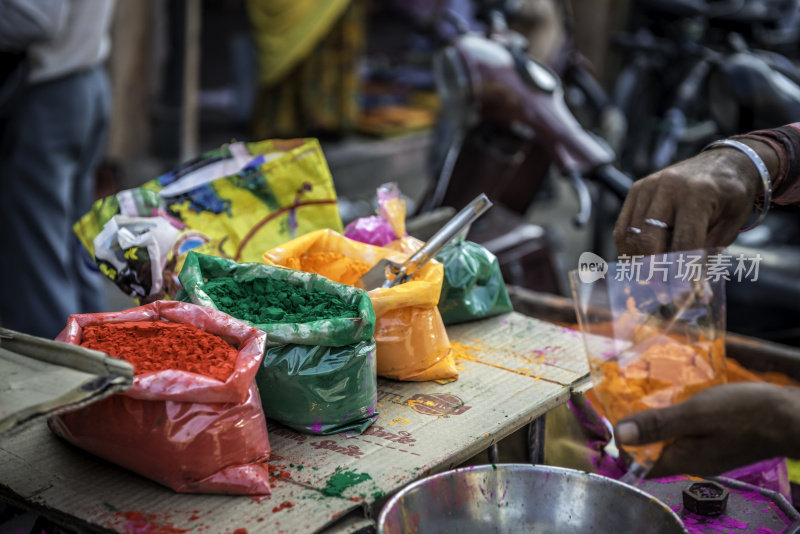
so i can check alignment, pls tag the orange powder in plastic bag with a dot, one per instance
(398, 334)
(663, 372)
(332, 265)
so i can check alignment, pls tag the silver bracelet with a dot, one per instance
(763, 172)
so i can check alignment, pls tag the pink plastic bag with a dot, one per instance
(772, 474)
(187, 431)
(390, 223)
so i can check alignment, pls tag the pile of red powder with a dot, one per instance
(158, 346)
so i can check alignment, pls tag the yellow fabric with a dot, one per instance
(287, 30)
(794, 470)
(412, 342)
(320, 93)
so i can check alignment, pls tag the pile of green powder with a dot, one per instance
(343, 479)
(265, 301)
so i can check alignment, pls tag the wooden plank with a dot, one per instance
(320, 481)
(78, 490)
(423, 428)
(525, 345)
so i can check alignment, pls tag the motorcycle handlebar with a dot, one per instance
(614, 179)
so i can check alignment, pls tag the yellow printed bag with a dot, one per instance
(412, 342)
(233, 202)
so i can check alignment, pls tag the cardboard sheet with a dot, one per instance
(323, 482)
(39, 378)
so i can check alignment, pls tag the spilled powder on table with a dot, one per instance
(464, 351)
(150, 523)
(343, 479)
(282, 506)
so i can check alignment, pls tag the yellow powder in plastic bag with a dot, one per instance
(332, 265)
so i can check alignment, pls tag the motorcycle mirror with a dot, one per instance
(541, 76)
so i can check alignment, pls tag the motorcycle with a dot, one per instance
(504, 124)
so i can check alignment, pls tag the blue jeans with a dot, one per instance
(48, 153)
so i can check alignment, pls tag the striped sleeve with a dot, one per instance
(785, 141)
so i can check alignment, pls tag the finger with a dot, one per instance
(649, 426)
(721, 235)
(705, 413)
(696, 456)
(702, 456)
(623, 221)
(692, 217)
(662, 209)
(725, 231)
(639, 240)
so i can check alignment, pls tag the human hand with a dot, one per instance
(719, 429)
(703, 200)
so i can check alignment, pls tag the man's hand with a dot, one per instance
(703, 201)
(719, 429)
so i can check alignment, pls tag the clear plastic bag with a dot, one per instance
(654, 331)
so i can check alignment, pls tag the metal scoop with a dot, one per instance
(387, 273)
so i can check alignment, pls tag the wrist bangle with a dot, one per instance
(763, 173)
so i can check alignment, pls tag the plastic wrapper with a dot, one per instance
(388, 225)
(317, 377)
(473, 286)
(187, 431)
(654, 332)
(771, 474)
(233, 202)
(412, 342)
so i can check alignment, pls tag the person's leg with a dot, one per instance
(88, 279)
(44, 147)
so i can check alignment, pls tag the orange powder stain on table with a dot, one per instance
(463, 351)
(332, 265)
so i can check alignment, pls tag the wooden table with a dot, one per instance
(518, 369)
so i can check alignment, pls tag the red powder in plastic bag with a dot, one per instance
(158, 346)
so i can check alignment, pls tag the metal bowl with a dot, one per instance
(524, 498)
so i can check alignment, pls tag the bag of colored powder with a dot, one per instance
(388, 225)
(412, 342)
(235, 201)
(473, 286)
(192, 419)
(318, 372)
(654, 331)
